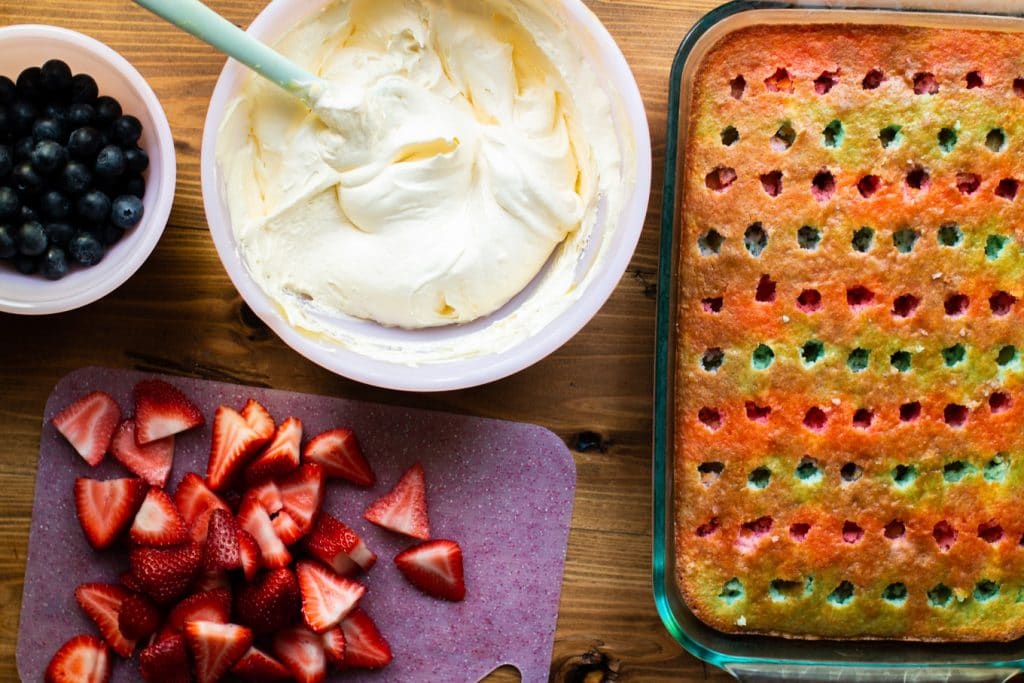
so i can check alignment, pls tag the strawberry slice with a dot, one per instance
(404, 508)
(101, 602)
(158, 521)
(164, 574)
(195, 501)
(327, 598)
(249, 554)
(222, 542)
(106, 508)
(234, 444)
(152, 462)
(333, 640)
(338, 452)
(302, 652)
(216, 647)
(259, 419)
(302, 494)
(286, 529)
(257, 665)
(138, 618)
(88, 424)
(83, 659)
(212, 605)
(166, 661)
(435, 567)
(161, 410)
(271, 602)
(365, 647)
(254, 519)
(337, 546)
(269, 496)
(281, 455)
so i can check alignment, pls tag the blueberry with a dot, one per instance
(84, 143)
(110, 162)
(8, 91)
(54, 206)
(48, 129)
(94, 206)
(32, 239)
(22, 115)
(9, 203)
(134, 185)
(109, 234)
(126, 211)
(136, 160)
(59, 232)
(23, 148)
(26, 265)
(107, 109)
(30, 84)
(125, 130)
(6, 127)
(26, 214)
(53, 264)
(48, 157)
(26, 181)
(8, 245)
(85, 249)
(55, 77)
(76, 178)
(80, 114)
(57, 112)
(6, 161)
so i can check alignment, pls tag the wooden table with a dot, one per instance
(180, 314)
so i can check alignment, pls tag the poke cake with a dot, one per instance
(849, 426)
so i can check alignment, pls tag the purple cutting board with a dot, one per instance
(504, 490)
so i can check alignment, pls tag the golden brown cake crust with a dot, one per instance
(849, 413)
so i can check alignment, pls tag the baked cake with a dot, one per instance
(850, 414)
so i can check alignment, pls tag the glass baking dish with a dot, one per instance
(750, 657)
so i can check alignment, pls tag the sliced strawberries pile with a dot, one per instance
(239, 574)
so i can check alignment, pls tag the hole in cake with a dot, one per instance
(808, 237)
(985, 590)
(1018, 87)
(895, 593)
(900, 360)
(863, 417)
(772, 183)
(823, 185)
(994, 246)
(862, 240)
(710, 471)
(990, 531)
(730, 136)
(813, 351)
(1006, 355)
(954, 355)
(762, 357)
(824, 83)
(918, 178)
(1001, 302)
(780, 590)
(891, 136)
(784, 137)
(780, 81)
(940, 595)
(833, 134)
(895, 529)
(851, 472)
(944, 535)
(947, 139)
(720, 179)
(925, 83)
(873, 79)
(732, 591)
(710, 418)
(756, 413)
(950, 234)
(809, 300)
(710, 243)
(708, 528)
(996, 140)
(904, 475)
(905, 239)
(765, 290)
(759, 478)
(852, 533)
(712, 304)
(842, 594)
(815, 419)
(712, 359)
(737, 87)
(859, 296)
(755, 239)
(955, 471)
(957, 304)
(750, 532)
(904, 305)
(996, 468)
(808, 471)
(1007, 189)
(798, 531)
(968, 183)
(857, 361)
(955, 415)
(975, 80)
(868, 185)
(910, 411)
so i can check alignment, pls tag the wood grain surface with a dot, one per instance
(181, 314)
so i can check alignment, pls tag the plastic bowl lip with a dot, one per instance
(146, 235)
(450, 375)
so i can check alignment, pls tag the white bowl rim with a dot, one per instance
(450, 375)
(155, 219)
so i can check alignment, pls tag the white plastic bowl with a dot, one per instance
(608, 62)
(30, 45)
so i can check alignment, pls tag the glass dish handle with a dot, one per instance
(767, 673)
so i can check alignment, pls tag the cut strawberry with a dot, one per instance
(302, 652)
(83, 659)
(234, 444)
(193, 498)
(333, 640)
(222, 542)
(161, 410)
(257, 665)
(137, 617)
(215, 647)
(281, 455)
(88, 424)
(152, 462)
(259, 419)
(365, 647)
(327, 598)
(101, 602)
(286, 529)
(166, 661)
(211, 580)
(302, 493)
(249, 554)
(338, 452)
(269, 496)
(254, 519)
(337, 546)
(165, 573)
(106, 508)
(435, 567)
(212, 605)
(158, 521)
(271, 602)
(404, 508)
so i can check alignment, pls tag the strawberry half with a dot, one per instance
(195, 501)
(327, 598)
(161, 410)
(259, 419)
(281, 455)
(286, 529)
(365, 647)
(106, 508)
(138, 618)
(257, 665)
(338, 452)
(83, 659)
(435, 567)
(166, 661)
(268, 495)
(234, 444)
(88, 424)
(337, 546)
(333, 640)
(158, 521)
(101, 602)
(152, 462)
(222, 542)
(302, 494)
(302, 652)
(249, 554)
(212, 605)
(215, 647)
(404, 508)
(254, 519)
(270, 602)
(164, 574)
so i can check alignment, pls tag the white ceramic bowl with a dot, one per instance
(532, 345)
(30, 45)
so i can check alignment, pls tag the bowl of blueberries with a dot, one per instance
(87, 170)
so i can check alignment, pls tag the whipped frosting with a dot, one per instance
(459, 144)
